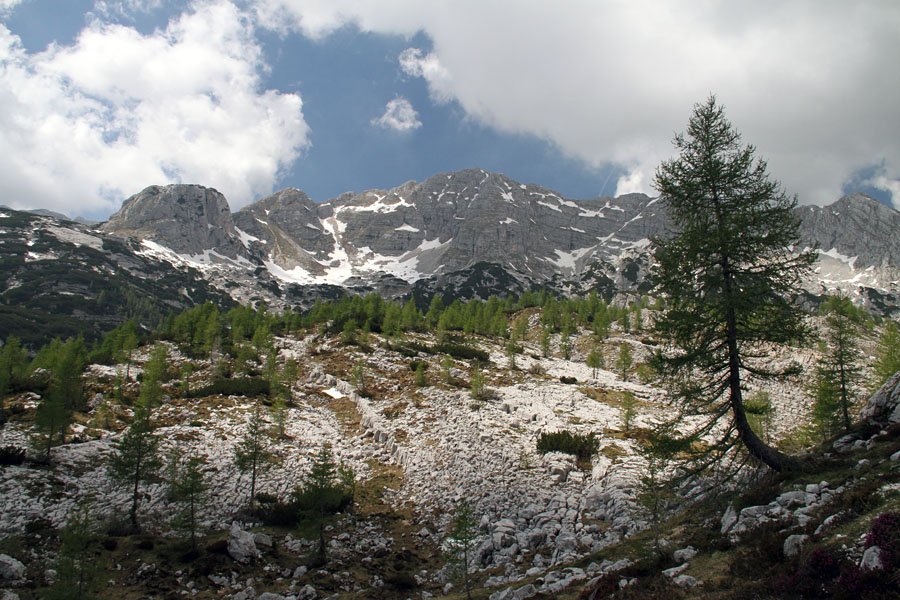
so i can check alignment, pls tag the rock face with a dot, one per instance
(188, 219)
(501, 235)
(855, 226)
(447, 223)
(884, 405)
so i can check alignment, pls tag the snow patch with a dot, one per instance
(550, 206)
(406, 227)
(334, 393)
(566, 260)
(295, 275)
(246, 238)
(833, 253)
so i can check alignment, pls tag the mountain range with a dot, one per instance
(467, 234)
(471, 232)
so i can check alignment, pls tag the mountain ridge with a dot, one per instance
(451, 222)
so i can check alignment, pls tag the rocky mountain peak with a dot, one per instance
(857, 228)
(188, 219)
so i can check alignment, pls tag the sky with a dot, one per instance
(101, 98)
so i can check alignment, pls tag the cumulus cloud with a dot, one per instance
(85, 125)
(610, 82)
(399, 115)
(6, 6)
(415, 63)
(124, 8)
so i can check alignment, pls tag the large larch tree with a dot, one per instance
(729, 272)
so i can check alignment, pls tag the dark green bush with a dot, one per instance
(414, 364)
(567, 380)
(239, 386)
(11, 455)
(582, 446)
(461, 352)
(278, 514)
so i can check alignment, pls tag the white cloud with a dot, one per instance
(808, 82)
(415, 64)
(84, 126)
(124, 8)
(6, 6)
(399, 115)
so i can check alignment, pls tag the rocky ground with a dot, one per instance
(416, 452)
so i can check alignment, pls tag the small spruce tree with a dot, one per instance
(461, 541)
(545, 342)
(188, 486)
(252, 454)
(624, 360)
(594, 361)
(136, 459)
(629, 410)
(843, 322)
(447, 369)
(322, 491)
(51, 421)
(359, 379)
(78, 572)
(421, 380)
(477, 383)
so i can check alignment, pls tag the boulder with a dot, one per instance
(728, 519)
(246, 594)
(793, 545)
(844, 444)
(269, 596)
(884, 405)
(871, 559)
(526, 591)
(685, 581)
(307, 592)
(241, 545)
(795, 498)
(506, 594)
(685, 554)
(675, 571)
(11, 569)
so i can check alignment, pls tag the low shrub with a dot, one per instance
(11, 455)
(568, 380)
(582, 446)
(885, 534)
(239, 386)
(461, 352)
(414, 365)
(811, 577)
(277, 514)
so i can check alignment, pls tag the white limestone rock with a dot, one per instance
(241, 545)
(686, 581)
(793, 545)
(685, 554)
(871, 559)
(884, 405)
(728, 519)
(11, 569)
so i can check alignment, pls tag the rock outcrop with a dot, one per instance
(475, 233)
(884, 405)
(188, 219)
